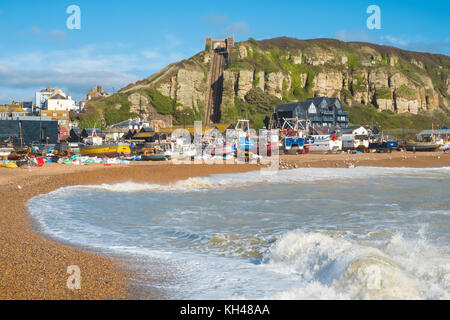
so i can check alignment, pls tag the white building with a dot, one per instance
(43, 95)
(354, 137)
(59, 102)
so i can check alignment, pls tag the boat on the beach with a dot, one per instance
(422, 146)
(383, 146)
(105, 150)
(154, 157)
(324, 144)
(18, 154)
(5, 152)
(293, 133)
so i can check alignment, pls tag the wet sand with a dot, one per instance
(34, 267)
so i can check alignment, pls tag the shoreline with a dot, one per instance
(35, 267)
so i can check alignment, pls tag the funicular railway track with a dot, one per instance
(215, 88)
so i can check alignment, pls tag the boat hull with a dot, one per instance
(154, 157)
(108, 151)
(323, 145)
(5, 152)
(422, 147)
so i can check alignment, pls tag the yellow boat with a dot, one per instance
(105, 150)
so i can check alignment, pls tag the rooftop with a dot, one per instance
(438, 131)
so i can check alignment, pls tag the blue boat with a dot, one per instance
(294, 144)
(384, 146)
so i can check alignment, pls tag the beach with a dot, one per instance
(35, 267)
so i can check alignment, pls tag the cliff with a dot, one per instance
(260, 74)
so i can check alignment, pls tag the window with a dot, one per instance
(312, 108)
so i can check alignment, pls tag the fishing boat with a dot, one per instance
(154, 157)
(324, 144)
(178, 149)
(422, 146)
(94, 147)
(293, 135)
(105, 150)
(19, 153)
(5, 152)
(445, 147)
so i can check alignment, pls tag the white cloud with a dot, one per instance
(35, 30)
(78, 70)
(85, 58)
(75, 82)
(50, 36)
(353, 35)
(416, 44)
(172, 41)
(237, 29)
(151, 54)
(214, 19)
(394, 41)
(57, 36)
(4, 98)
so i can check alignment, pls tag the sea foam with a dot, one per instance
(282, 176)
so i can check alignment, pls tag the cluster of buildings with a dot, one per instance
(45, 121)
(48, 120)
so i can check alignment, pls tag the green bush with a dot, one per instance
(346, 94)
(406, 92)
(261, 99)
(253, 42)
(162, 104)
(383, 93)
(353, 62)
(106, 109)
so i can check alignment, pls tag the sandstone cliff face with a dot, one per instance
(187, 87)
(140, 105)
(274, 84)
(356, 74)
(328, 84)
(244, 83)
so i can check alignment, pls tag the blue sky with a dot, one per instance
(124, 41)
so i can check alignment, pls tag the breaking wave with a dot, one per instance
(288, 237)
(329, 267)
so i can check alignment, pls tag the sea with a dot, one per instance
(356, 233)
